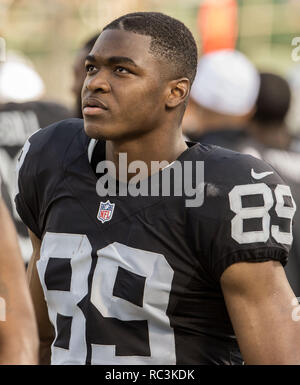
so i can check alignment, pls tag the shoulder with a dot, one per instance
(233, 168)
(44, 151)
(40, 168)
(50, 143)
(58, 134)
(224, 167)
(246, 213)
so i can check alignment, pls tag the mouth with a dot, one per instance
(93, 106)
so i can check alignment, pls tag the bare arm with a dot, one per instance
(18, 331)
(259, 301)
(45, 328)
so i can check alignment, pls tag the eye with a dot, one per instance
(122, 70)
(89, 68)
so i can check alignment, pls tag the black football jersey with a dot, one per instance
(136, 279)
(287, 164)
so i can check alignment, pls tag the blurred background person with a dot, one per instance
(270, 139)
(79, 73)
(18, 330)
(222, 99)
(268, 126)
(21, 114)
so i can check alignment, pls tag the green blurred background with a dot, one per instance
(50, 32)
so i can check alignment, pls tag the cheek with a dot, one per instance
(83, 88)
(81, 80)
(141, 100)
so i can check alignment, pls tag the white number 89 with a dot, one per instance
(242, 213)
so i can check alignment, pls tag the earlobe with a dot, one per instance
(178, 92)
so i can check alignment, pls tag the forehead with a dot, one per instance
(124, 43)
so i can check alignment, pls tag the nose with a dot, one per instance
(97, 83)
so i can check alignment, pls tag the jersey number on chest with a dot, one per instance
(119, 305)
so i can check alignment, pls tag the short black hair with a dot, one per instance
(170, 39)
(273, 100)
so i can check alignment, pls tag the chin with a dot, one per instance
(92, 130)
(97, 131)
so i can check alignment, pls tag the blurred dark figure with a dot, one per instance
(222, 99)
(17, 122)
(272, 142)
(79, 73)
(268, 125)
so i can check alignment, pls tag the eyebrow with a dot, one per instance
(113, 60)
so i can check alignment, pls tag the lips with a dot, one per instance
(93, 106)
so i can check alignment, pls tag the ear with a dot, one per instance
(178, 91)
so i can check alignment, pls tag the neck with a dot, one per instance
(156, 145)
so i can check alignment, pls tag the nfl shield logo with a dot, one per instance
(105, 212)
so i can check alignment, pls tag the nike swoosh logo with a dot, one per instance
(260, 175)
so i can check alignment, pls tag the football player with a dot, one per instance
(18, 329)
(123, 279)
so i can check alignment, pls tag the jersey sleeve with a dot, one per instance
(26, 199)
(39, 168)
(246, 216)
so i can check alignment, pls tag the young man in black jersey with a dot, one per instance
(149, 279)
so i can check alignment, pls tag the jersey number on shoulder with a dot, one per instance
(129, 294)
(243, 193)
